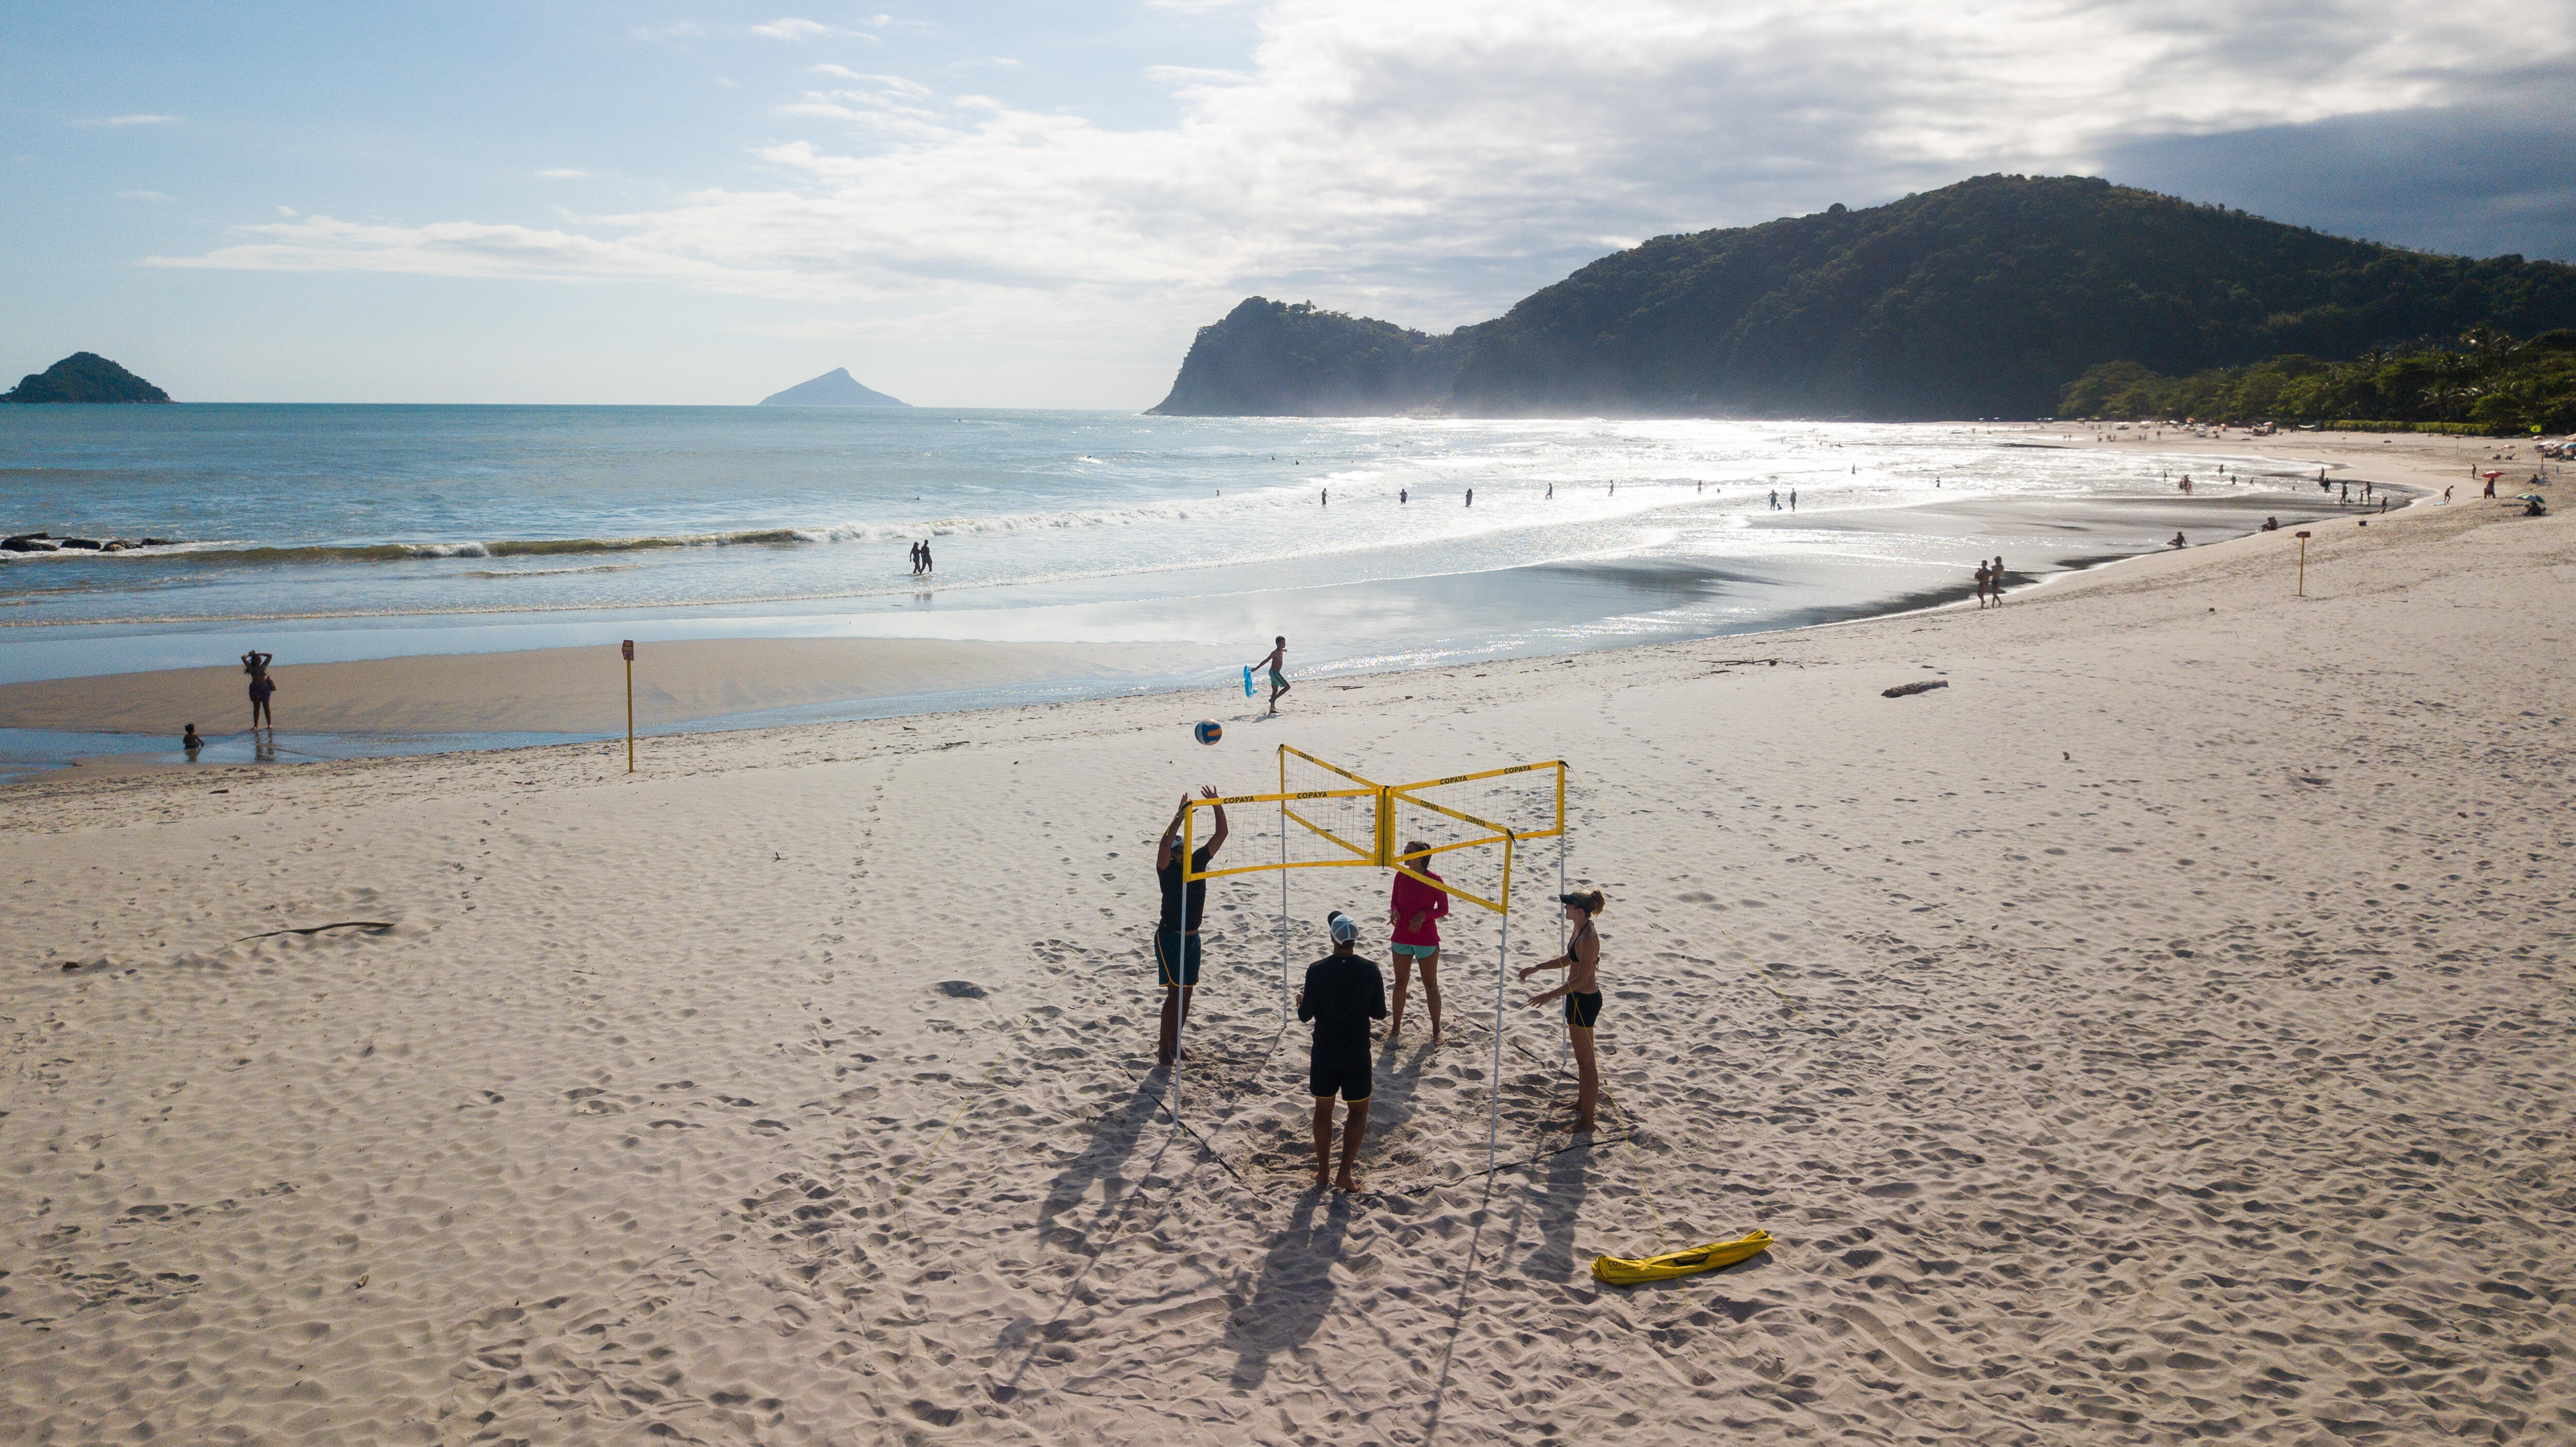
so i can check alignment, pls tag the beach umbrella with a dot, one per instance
(2490, 474)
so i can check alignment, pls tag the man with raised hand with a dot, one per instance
(1343, 993)
(1176, 935)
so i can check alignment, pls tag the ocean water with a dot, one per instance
(336, 532)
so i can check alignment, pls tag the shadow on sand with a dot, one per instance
(1295, 1292)
(1115, 1135)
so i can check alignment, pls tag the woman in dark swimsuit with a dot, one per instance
(255, 663)
(1582, 995)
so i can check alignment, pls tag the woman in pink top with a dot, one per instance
(1417, 909)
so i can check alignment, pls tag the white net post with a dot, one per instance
(1502, 970)
(1284, 985)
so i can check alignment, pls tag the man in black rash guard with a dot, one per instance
(1176, 939)
(1343, 993)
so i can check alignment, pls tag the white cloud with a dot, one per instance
(1431, 162)
(136, 120)
(144, 196)
(794, 30)
(565, 173)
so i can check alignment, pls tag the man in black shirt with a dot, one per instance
(1176, 937)
(1343, 993)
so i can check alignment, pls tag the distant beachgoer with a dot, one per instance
(1551, 489)
(1176, 934)
(1582, 995)
(1328, 497)
(2490, 487)
(2271, 525)
(1793, 499)
(1343, 993)
(1416, 910)
(1403, 495)
(191, 743)
(2177, 541)
(1995, 577)
(1775, 499)
(916, 559)
(1614, 489)
(928, 563)
(262, 688)
(1471, 497)
(2446, 496)
(2344, 498)
(2185, 484)
(1277, 663)
(1982, 583)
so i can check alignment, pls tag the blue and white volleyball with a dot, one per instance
(1207, 731)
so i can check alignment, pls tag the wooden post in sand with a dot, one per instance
(2303, 565)
(630, 650)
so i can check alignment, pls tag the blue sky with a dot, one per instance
(1035, 204)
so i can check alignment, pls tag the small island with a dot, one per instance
(84, 377)
(835, 388)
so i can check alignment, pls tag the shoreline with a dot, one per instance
(516, 699)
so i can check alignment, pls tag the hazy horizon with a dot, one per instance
(1025, 209)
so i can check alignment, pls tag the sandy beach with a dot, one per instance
(2158, 1032)
(565, 690)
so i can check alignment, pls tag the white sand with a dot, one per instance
(2160, 1031)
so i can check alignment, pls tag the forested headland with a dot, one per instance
(1988, 298)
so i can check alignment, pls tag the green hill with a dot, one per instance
(1987, 298)
(84, 377)
(1270, 359)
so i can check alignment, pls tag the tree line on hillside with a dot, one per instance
(1985, 298)
(2485, 378)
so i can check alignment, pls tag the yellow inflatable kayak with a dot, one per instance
(1624, 1271)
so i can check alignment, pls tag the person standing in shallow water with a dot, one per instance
(1343, 993)
(1176, 934)
(1582, 995)
(262, 687)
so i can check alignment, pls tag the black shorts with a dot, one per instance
(1583, 1009)
(1345, 1075)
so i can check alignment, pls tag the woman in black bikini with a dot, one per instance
(1582, 994)
(255, 663)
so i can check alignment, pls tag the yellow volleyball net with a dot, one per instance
(1467, 835)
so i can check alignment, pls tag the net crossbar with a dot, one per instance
(1472, 829)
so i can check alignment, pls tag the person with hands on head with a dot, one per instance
(1344, 992)
(1416, 910)
(1176, 934)
(1582, 995)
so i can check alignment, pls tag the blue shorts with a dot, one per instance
(1172, 945)
(1417, 951)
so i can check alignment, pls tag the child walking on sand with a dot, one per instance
(1277, 662)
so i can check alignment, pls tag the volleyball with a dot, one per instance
(1206, 731)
